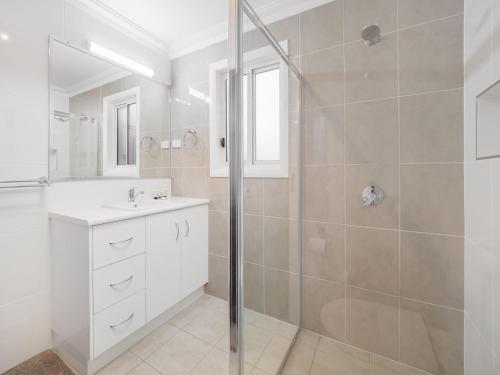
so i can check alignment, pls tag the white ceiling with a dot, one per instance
(182, 26)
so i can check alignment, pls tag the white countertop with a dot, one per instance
(89, 216)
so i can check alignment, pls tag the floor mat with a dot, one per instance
(46, 363)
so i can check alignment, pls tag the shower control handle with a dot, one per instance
(372, 195)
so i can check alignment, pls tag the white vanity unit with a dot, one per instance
(117, 274)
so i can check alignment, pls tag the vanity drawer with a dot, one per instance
(116, 241)
(118, 281)
(118, 321)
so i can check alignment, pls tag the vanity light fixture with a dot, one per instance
(122, 60)
(4, 36)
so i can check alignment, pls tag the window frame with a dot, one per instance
(256, 61)
(110, 133)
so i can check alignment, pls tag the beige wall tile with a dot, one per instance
(413, 12)
(373, 322)
(432, 269)
(432, 338)
(323, 306)
(324, 136)
(371, 71)
(383, 215)
(321, 27)
(253, 281)
(333, 357)
(373, 259)
(323, 251)
(276, 197)
(218, 280)
(218, 233)
(285, 29)
(253, 193)
(282, 295)
(430, 56)
(190, 182)
(324, 194)
(372, 132)
(323, 78)
(432, 127)
(218, 194)
(195, 149)
(432, 198)
(277, 249)
(360, 13)
(253, 238)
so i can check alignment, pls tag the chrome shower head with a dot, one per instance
(371, 34)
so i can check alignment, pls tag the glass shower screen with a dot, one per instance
(265, 225)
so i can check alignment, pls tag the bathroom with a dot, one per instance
(250, 187)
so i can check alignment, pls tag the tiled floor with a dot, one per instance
(313, 354)
(195, 341)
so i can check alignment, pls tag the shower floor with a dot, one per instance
(195, 341)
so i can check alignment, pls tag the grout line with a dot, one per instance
(386, 98)
(398, 83)
(346, 255)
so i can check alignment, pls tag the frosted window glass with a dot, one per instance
(267, 115)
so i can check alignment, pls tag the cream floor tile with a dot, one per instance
(216, 362)
(187, 315)
(261, 320)
(302, 355)
(214, 303)
(144, 369)
(333, 358)
(121, 365)
(223, 344)
(210, 326)
(273, 354)
(153, 341)
(179, 355)
(258, 371)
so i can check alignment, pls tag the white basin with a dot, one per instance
(139, 205)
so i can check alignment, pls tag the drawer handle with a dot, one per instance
(122, 323)
(187, 227)
(120, 242)
(178, 231)
(122, 282)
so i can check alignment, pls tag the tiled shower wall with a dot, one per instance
(482, 192)
(387, 279)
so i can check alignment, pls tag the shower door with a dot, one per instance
(264, 183)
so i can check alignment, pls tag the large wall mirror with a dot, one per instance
(105, 121)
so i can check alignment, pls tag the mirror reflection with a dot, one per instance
(105, 121)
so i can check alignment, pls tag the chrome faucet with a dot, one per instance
(132, 194)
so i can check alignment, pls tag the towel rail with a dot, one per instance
(12, 184)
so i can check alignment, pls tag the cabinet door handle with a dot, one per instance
(122, 282)
(178, 231)
(120, 242)
(187, 228)
(122, 323)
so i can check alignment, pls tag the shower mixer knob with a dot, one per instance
(372, 195)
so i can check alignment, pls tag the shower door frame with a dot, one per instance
(236, 168)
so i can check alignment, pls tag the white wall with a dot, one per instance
(24, 252)
(482, 197)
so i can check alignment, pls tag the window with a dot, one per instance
(121, 133)
(265, 116)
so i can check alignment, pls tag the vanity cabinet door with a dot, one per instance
(163, 260)
(194, 248)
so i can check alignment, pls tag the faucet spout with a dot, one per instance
(133, 194)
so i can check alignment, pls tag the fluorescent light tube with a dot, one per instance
(121, 60)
